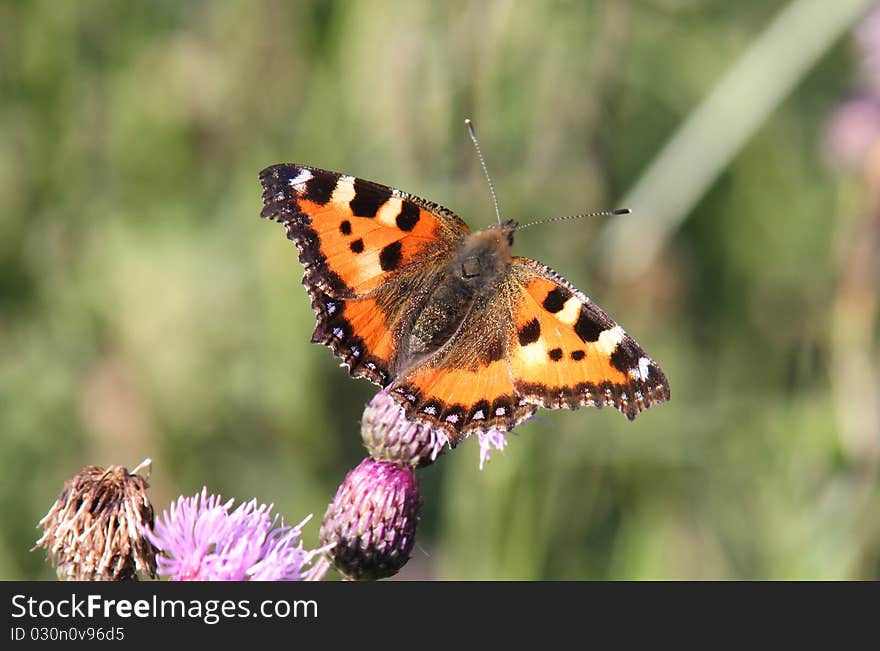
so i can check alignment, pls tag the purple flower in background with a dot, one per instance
(852, 137)
(854, 131)
(202, 540)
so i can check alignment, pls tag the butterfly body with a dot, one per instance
(462, 333)
(468, 282)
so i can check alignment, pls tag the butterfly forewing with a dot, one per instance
(353, 235)
(365, 248)
(569, 353)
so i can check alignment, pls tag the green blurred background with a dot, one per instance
(146, 310)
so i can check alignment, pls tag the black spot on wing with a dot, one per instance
(320, 187)
(529, 333)
(390, 257)
(588, 327)
(408, 216)
(368, 198)
(556, 299)
(345, 227)
(626, 355)
(555, 354)
(578, 355)
(357, 246)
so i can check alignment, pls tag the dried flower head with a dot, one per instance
(389, 436)
(93, 531)
(371, 523)
(202, 540)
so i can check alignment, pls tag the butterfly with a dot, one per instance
(462, 333)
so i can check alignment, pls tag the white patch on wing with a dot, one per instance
(644, 363)
(534, 354)
(301, 179)
(344, 191)
(368, 267)
(388, 212)
(570, 311)
(608, 340)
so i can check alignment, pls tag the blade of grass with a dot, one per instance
(715, 131)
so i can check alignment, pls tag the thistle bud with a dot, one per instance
(93, 532)
(371, 523)
(389, 436)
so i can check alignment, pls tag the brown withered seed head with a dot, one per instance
(93, 532)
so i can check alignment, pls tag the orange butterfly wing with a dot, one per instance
(363, 246)
(539, 342)
(569, 353)
(461, 400)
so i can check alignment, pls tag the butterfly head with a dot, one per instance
(505, 230)
(485, 254)
(508, 228)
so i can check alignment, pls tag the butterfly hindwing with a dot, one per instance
(357, 333)
(467, 386)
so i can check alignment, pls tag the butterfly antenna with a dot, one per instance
(601, 213)
(473, 134)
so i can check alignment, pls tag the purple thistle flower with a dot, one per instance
(494, 438)
(389, 436)
(202, 540)
(371, 523)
